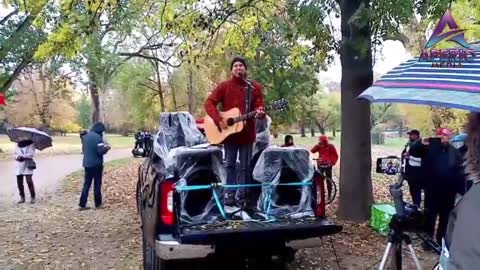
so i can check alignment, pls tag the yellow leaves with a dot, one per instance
(297, 55)
(62, 40)
(427, 119)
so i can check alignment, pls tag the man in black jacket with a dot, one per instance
(412, 155)
(93, 150)
(444, 179)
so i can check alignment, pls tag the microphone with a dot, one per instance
(247, 82)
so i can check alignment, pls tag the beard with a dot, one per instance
(239, 74)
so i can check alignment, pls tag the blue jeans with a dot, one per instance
(92, 174)
(244, 176)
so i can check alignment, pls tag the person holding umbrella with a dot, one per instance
(23, 154)
(27, 139)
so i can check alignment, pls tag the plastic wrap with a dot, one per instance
(262, 139)
(183, 153)
(177, 129)
(200, 167)
(288, 173)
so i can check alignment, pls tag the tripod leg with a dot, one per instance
(414, 256)
(385, 256)
(396, 262)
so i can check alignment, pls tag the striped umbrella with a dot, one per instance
(417, 82)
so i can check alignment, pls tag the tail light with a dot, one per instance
(319, 182)
(166, 202)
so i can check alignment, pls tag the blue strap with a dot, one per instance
(266, 204)
(200, 187)
(219, 205)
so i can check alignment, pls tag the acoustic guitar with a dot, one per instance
(235, 121)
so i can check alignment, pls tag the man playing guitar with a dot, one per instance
(233, 93)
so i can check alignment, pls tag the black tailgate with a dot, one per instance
(248, 231)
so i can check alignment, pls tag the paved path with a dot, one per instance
(48, 175)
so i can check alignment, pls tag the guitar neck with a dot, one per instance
(244, 117)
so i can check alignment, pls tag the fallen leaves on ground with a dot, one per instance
(53, 234)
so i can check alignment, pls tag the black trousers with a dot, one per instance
(439, 202)
(415, 186)
(328, 172)
(92, 174)
(238, 176)
(31, 187)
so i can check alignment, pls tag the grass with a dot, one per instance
(390, 143)
(69, 144)
(75, 178)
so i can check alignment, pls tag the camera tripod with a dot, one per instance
(396, 237)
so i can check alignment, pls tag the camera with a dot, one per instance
(408, 217)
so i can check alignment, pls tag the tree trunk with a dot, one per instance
(321, 128)
(334, 132)
(95, 96)
(357, 75)
(6, 18)
(400, 129)
(312, 130)
(159, 88)
(174, 98)
(190, 92)
(172, 90)
(302, 128)
(6, 84)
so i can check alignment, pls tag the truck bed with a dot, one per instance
(248, 231)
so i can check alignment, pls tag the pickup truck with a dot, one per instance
(184, 222)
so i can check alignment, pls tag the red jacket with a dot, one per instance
(231, 94)
(326, 153)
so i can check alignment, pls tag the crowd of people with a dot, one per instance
(143, 140)
(433, 165)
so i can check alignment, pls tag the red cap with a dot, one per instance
(444, 132)
(2, 99)
(200, 123)
(323, 139)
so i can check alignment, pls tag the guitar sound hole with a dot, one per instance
(230, 121)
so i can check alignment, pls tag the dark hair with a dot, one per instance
(472, 142)
(238, 59)
(288, 138)
(24, 143)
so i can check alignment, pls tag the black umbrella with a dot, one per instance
(40, 139)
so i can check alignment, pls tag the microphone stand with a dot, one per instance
(248, 150)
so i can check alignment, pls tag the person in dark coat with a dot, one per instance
(412, 155)
(444, 179)
(94, 148)
(139, 137)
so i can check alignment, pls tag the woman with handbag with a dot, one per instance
(23, 154)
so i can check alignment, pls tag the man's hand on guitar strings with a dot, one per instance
(222, 125)
(260, 113)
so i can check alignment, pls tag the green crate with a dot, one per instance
(381, 216)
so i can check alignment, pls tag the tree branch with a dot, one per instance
(149, 87)
(6, 18)
(137, 54)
